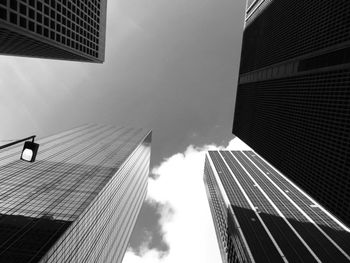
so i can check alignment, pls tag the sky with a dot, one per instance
(171, 66)
(178, 195)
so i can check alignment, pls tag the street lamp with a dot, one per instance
(29, 152)
(30, 148)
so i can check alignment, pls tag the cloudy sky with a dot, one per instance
(171, 66)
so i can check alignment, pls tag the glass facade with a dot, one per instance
(58, 29)
(261, 216)
(229, 239)
(292, 103)
(218, 209)
(78, 202)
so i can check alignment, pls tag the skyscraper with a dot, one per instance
(292, 105)
(261, 216)
(55, 29)
(78, 202)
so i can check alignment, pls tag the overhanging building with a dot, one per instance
(78, 202)
(54, 29)
(292, 105)
(260, 215)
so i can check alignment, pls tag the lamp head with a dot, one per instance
(29, 152)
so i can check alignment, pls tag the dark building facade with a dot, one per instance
(78, 202)
(293, 97)
(261, 216)
(54, 29)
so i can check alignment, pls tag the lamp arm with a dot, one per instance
(18, 141)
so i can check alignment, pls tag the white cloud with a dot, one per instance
(238, 144)
(189, 232)
(150, 257)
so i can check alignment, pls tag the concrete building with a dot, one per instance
(54, 29)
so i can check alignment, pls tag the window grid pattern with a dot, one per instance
(287, 29)
(325, 251)
(301, 125)
(260, 243)
(79, 179)
(218, 210)
(229, 239)
(21, 45)
(245, 176)
(78, 26)
(298, 196)
(257, 239)
(115, 207)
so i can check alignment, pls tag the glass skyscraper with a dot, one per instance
(78, 202)
(293, 96)
(260, 215)
(55, 29)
